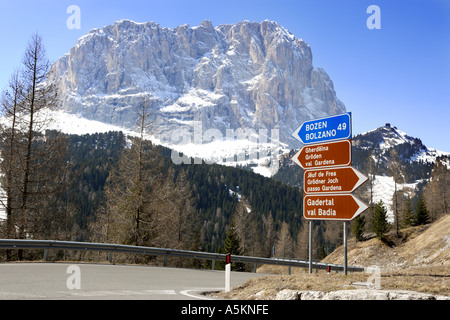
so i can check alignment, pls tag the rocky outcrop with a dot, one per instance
(245, 75)
(358, 294)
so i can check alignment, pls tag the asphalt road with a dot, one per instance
(62, 281)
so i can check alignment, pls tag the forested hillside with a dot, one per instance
(118, 189)
(215, 194)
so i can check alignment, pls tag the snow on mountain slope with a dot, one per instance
(412, 154)
(385, 138)
(384, 188)
(246, 75)
(75, 124)
(258, 150)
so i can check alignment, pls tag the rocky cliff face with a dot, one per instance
(246, 75)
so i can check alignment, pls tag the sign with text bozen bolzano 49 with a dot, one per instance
(332, 128)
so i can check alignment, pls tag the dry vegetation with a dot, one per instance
(417, 261)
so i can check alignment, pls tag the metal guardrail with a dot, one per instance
(112, 248)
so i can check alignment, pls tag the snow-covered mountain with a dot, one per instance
(416, 162)
(409, 149)
(243, 82)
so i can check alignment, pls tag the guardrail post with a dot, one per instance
(228, 274)
(110, 257)
(254, 268)
(213, 266)
(45, 254)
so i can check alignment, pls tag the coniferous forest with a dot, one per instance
(186, 207)
(215, 193)
(112, 188)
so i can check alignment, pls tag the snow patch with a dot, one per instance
(384, 188)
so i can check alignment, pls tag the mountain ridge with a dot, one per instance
(247, 75)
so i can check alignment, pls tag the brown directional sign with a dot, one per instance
(331, 154)
(344, 207)
(333, 180)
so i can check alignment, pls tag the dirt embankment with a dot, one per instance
(418, 261)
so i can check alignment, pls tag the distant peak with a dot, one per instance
(206, 24)
(125, 21)
(270, 21)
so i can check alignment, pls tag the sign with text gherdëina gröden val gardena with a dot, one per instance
(332, 154)
(338, 127)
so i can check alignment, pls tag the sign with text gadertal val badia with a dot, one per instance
(329, 178)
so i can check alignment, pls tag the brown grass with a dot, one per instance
(419, 260)
(431, 280)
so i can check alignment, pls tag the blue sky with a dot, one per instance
(398, 74)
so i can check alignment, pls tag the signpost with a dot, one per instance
(323, 155)
(326, 129)
(329, 178)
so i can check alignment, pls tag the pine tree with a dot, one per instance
(302, 245)
(398, 173)
(408, 215)
(130, 190)
(269, 234)
(33, 161)
(322, 252)
(248, 229)
(437, 190)
(10, 103)
(422, 215)
(232, 246)
(284, 246)
(380, 224)
(358, 227)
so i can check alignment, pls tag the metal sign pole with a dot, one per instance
(310, 246)
(345, 247)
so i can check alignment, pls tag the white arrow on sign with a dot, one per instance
(343, 207)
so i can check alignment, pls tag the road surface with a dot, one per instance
(64, 281)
